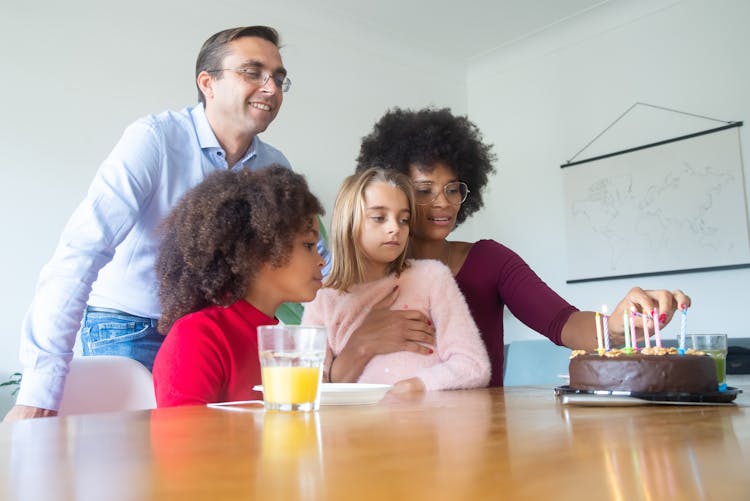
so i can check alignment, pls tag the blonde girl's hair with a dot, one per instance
(346, 226)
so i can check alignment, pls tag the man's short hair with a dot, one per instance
(215, 48)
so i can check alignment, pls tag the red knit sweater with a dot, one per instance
(210, 356)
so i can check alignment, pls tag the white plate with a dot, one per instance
(348, 393)
(352, 393)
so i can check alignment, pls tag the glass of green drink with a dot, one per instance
(716, 346)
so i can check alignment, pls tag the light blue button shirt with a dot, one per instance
(107, 252)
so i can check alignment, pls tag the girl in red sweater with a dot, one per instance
(234, 249)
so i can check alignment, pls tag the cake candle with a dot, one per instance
(657, 329)
(633, 335)
(599, 346)
(626, 332)
(646, 333)
(605, 325)
(683, 322)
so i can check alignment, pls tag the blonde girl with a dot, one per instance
(370, 230)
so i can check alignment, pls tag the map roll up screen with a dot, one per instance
(671, 207)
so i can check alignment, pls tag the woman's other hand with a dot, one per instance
(644, 301)
(383, 331)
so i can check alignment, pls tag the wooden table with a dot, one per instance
(516, 443)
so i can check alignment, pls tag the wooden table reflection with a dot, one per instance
(512, 443)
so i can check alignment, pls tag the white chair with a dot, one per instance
(106, 384)
(536, 362)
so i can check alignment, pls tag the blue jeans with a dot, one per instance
(112, 332)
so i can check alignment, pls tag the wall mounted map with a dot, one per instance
(674, 206)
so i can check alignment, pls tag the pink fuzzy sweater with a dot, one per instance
(459, 360)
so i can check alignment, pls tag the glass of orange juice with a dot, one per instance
(291, 365)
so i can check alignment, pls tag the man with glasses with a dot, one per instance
(103, 268)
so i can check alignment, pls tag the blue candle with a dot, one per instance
(683, 322)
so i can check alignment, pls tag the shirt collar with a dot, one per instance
(207, 139)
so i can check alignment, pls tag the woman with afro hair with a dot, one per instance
(449, 165)
(234, 249)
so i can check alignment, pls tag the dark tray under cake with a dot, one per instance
(716, 397)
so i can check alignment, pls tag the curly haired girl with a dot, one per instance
(234, 249)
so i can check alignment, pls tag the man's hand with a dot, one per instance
(19, 412)
(383, 331)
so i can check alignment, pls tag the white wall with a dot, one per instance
(76, 73)
(541, 100)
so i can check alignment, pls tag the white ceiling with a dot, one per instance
(457, 30)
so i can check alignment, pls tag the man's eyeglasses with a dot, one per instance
(426, 193)
(259, 77)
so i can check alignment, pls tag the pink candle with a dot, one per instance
(646, 334)
(657, 329)
(632, 328)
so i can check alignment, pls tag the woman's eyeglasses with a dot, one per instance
(455, 192)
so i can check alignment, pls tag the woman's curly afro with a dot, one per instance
(402, 138)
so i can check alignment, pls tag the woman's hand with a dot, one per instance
(644, 302)
(579, 332)
(383, 331)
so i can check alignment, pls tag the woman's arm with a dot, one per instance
(579, 332)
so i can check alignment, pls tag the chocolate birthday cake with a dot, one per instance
(653, 370)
